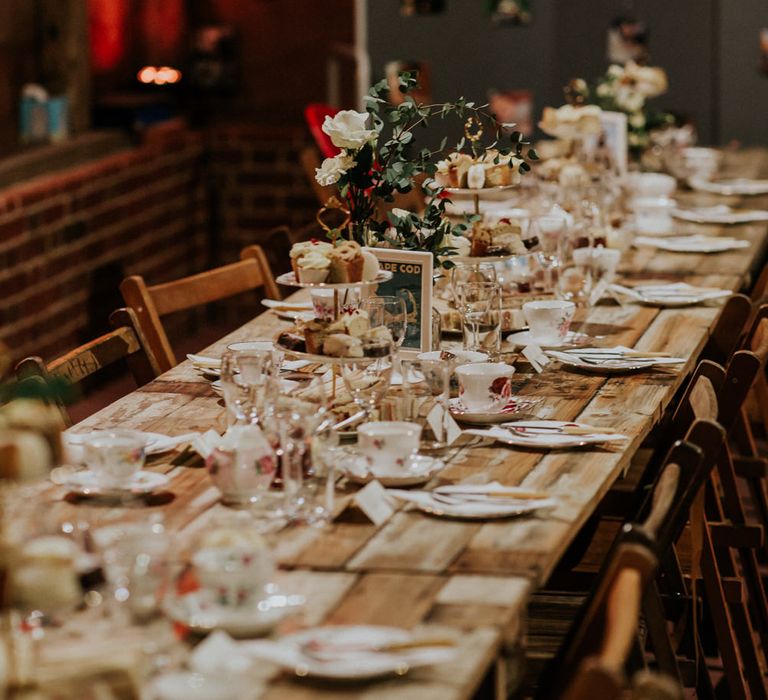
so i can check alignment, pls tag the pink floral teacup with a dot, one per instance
(389, 444)
(549, 321)
(485, 386)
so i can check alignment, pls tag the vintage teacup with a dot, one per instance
(235, 575)
(388, 444)
(485, 386)
(549, 320)
(114, 455)
(653, 215)
(650, 184)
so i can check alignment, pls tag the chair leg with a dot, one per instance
(653, 611)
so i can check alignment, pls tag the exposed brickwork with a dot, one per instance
(174, 206)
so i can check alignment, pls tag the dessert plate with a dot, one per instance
(286, 386)
(200, 612)
(670, 295)
(420, 470)
(288, 279)
(735, 186)
(516, 405)
(489, 501)
(614, 360)
(87, 483)
(549, 434)
(693, 243)
(720, 214)
(571, 340)
(353, 652)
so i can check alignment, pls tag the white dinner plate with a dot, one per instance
(671, 295)
(720, 214)
(571, 340)
(733, 186)
(286, 386)
(693, 244)
(609, 360)
(490, 508)
(517, 405)
(311, 652)
(202, 614)
(419, 471)
(545, 435)
(86, 483)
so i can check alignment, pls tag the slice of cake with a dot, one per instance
(346, 263)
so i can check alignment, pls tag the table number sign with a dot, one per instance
(412, 282)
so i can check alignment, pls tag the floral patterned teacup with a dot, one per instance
(389, 445)
(485, 386)
(549, 321)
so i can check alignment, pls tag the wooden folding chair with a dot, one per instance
(126, 341)
(150, 303)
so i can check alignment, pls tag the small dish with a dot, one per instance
(420, 469)
(571, 340)
(86, 483)
(201, 614)
(286, 386)
(517, 405)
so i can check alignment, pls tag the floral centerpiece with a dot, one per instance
(627, 89)
(378, 158)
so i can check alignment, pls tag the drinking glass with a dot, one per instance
(248, 382)
(480, 307)
(424, 400)
(574, 281)
(551, 232)
(389, 311)
(471, 272)
(368, 378)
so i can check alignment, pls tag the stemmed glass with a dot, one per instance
(368, 378)
(551, 232)
(465, 273)
(480, 307)
(248, 381)
(389, 311)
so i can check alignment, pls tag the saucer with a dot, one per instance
(571, 340)
(420, 470)
(515, 405)
(547, 435)
(202, 615)
(86, 483)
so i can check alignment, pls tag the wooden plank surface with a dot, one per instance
(471, 576)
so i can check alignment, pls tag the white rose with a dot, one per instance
(604, 89)
(347, 129)
(637, 120)
(649, 81)
(331, 169)
(462, 244)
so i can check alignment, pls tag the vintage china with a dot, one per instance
(650, 184)
(615, 360)
(461, 357)
(156, 443)
(87, 483)
(114, 456)
(543, 434)
(485, 386)
(515, 405)
(740, 186)
(693, 243)
(653, 215)
(296, 652)
(571, 340)
(449, 505)
(237, 576)
(201, 614)
(288, 279)
(389, 444)
(418, 470)
(549, 321)
(188, 685)
(720, 214)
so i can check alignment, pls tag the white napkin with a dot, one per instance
(219, 654)
(206, 443)
(204, 362)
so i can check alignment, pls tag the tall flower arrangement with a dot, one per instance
(627, 89)
(378, 157)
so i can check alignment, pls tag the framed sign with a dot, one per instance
(412, 281)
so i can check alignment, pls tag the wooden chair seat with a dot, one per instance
(126, 341)
(150, 303)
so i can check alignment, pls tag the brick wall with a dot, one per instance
(180, 203)
(258, 183)
(66, 240)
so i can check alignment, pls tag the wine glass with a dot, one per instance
(551, 232)
(480, 307)
(389, 311)
(248, 382)
(465, 273)
(368, 378)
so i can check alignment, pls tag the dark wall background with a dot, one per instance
(709, 49)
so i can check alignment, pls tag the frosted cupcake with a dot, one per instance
(298, 250)
(313, 267)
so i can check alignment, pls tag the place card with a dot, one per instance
(373, 500)
(441, 421)
(536, 356)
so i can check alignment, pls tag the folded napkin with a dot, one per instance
(204, 362)
(206, 443)
(218, 654)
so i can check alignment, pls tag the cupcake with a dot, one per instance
(346, 263)
(313, 267)
(452, 171)
(298, 250)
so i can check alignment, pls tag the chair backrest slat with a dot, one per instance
(729, 329)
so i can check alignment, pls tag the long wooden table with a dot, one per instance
(472, 576)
